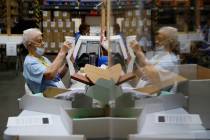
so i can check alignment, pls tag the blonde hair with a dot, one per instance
(171, 40)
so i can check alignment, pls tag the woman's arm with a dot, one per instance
(62, 71)
(141, 59)
(53, 69)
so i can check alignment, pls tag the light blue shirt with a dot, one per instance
(165, 60)
(33, 72)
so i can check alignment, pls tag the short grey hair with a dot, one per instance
(30, 34)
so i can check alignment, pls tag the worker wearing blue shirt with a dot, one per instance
(38, 71)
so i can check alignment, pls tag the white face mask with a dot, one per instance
(40, 51)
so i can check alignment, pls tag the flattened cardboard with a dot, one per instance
(125, 78)
(53, 91)
(94, 73)
(81, 78)
(115, 72)
(151, 89)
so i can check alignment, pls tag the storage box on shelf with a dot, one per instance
(56, 25)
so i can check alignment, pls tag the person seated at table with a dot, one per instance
(84, 29)
(38, 71)
(164, 62)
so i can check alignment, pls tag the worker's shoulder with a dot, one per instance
(30, 60)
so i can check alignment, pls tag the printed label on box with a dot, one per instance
(60, 44)
(44, 14)
(126, 23)
(52, 45)
(64, 14)
(45, 24)
(129, 13)
(56, 13)
(60, 24)
(68, 24)
(47, 45)
(140, 23)
(137, 13)
(148, 12)
(133, 23)
(52, 23)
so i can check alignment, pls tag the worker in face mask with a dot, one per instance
(165, 58)
(39, 72)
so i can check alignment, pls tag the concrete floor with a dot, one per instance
(11, 88)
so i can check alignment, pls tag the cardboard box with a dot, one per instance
(134, 23)
(60, 25)
(192, 72)
(137, 13)
(66, 15)
(158, 83)
(129, 13)
(46, 25)
(57, 15)
(72, 29)
(46, 15)
(67, 24)
(52, 26)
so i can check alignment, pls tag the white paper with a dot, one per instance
(70, 39)
(70, 94)
(133, 91)
(30, 121)
(11, 49)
